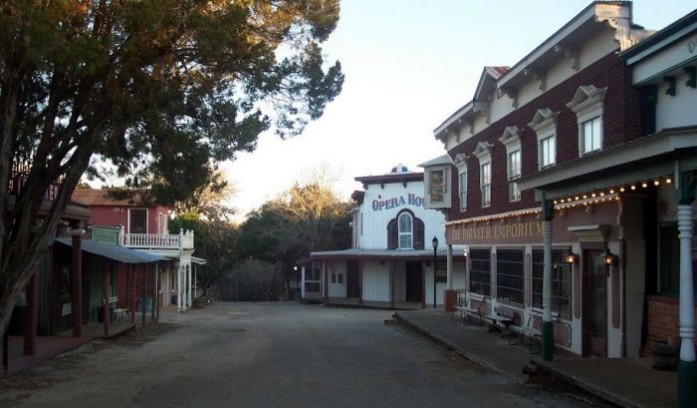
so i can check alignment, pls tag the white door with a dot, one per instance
(337, 283)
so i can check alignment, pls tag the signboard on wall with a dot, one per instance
(393, 202)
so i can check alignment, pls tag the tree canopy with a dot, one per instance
(163, 89)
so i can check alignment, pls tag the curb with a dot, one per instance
(454, 347)
(586, 386)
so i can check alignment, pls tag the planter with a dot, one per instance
(665, 356)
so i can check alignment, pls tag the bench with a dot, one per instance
(532, 333)
(122, 314)
(460, 305)
(501, 316)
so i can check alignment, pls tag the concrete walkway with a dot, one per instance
(624, 382)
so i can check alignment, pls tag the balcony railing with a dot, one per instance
(183, 240)
(19, 176)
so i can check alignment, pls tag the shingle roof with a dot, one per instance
(95, 197)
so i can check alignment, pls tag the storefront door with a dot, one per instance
(414, 282)
(594, 304)
(337, 284)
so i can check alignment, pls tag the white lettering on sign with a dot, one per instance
(394, 202)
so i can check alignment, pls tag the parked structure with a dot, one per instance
(135, 224)
(555, 238)
(391, 262)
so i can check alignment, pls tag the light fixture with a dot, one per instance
(644, 184)
(656, 182)
(610, 258)
(633, 187)
(621, 189)
(571, 257)
(669, 180)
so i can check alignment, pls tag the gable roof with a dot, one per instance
(96, 197)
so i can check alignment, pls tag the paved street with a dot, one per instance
(269, 355)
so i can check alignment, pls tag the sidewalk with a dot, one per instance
(624, 382)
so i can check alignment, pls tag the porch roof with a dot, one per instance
(114, 252)
(388, 254)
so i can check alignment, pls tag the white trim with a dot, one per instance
(588, 105)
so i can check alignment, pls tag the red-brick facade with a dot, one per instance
(620, 120)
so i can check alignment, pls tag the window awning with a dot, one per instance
(114, 252)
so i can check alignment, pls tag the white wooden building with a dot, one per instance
(391, 262)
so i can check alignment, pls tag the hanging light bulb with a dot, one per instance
(669, 180)
(633, 187)
(621, 189)
(644, 185)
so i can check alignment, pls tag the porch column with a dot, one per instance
(156, 292)
(76, 280)
(687, 368)
(143, 292)
(392, 284)
(30, 319)
(547, 325)
(423, 285)
(189, 303)
(449, 268)
(360, 282)
(325, 274)
(179, 285)
(302, 282)
(107, 292)
(133, 294)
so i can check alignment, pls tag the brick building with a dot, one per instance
(556, 250)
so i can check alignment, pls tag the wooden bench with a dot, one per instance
(122, 314)
(460, 305)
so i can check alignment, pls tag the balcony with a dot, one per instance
(115, 235)
(20, 174)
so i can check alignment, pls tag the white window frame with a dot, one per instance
(462, 187)
(511, 140)
(544, 123)
(485, 183)
(588, 105)
(443, 171)
(461, 164)
(483, 153)
(401, 233)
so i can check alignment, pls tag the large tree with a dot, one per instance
(163, 89)
(308, 217)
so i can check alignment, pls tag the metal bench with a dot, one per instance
(532, 333)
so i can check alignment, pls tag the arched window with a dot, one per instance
(406, 230)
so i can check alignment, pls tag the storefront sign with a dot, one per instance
(394, 202)
(496, 231)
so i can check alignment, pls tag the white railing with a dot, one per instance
(183, 240)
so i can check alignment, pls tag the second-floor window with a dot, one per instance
(514, 171)
(138, 220)
(591, 135)
(485, 183)
(437, 185)
(462, 185)
(405, 232)
(548, 151)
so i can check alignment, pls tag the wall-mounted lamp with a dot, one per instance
(610, 258)
(571, 258)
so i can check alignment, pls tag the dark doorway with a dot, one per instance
(353, 289)
(415, 283)
(594, 304)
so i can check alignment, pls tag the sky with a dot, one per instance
(409, 64)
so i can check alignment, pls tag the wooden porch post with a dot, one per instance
(423, 285)
(31, 315)
(107, 293)
(76, 280)
(155, 291)
(325, 273)
(392, 284)
(133, 293)
(360, 282)
(144, 291)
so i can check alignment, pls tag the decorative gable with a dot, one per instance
(543, 119)
(511, 136)
(586, 97)
(461, 160)
(483, 150)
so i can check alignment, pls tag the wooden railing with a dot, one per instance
(20, 173)
(183, 240)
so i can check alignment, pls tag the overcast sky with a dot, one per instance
(409, 64)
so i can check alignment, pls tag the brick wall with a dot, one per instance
(620, 124)
(663, 320)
